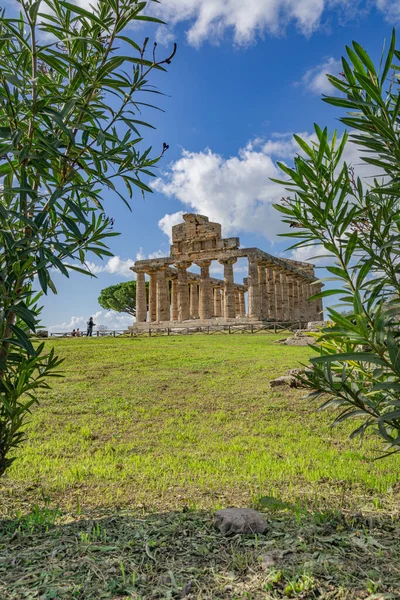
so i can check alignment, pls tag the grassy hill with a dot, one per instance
(111, 496)
(176, 421)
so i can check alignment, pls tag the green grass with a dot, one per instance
(168, 422)
(111, 496)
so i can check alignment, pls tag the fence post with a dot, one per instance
(97, 333)
(149, 331)
(274, 327)
(167, 330)
(208, 329)
(251, 328)
(113, 333)
(229, 329)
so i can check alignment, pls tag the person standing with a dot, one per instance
(90, 326)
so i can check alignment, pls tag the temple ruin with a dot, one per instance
(276, 289)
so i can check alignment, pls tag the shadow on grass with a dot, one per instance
(47, 555)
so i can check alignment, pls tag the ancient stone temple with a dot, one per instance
(275, 289)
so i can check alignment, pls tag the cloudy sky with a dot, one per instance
(247, 75)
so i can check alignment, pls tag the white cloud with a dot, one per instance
(390, 8)
(237, 191)
(157, 254)
(315, 79)
(211, 19)
(168, 221)
(111, 319)
(115, 265)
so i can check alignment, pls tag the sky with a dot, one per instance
(246, 76)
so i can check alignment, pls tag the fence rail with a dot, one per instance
(252, 328)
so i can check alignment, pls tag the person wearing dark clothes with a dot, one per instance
(90, 326)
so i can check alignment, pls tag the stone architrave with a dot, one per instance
(254, 289)
(263, 287)
(205, 307)
(194, 300)
(278, 295)
(163, 306)
(141, 297)
(153, 296)
(183, 291)
(174, 300)
(229, 288)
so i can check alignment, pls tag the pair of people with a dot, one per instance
(76, 333)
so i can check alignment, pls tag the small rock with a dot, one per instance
(289, 380)
(268, 560)
(239, 520)
(187, 588)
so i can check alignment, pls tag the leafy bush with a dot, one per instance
(357, 224)
(69, 132)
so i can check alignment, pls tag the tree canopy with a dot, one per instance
(120, 297)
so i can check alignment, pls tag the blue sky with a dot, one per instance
(247, 75)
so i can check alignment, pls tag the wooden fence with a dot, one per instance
(252, 328)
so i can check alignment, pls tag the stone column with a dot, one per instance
(278, 295)
(254, 289)
(163, 306)
(183, 291)
(290, 284)
(263, 287)
(302, 302)
(285, 297)
(309, 307)
(205, 307)
(296, 299)
(271, 293)
(318, 303)
(217, 296)
(229, 288)
(237, 302)
(153, 296)
(194, 300)
(174, 300)
(141, 297)
(242, 303)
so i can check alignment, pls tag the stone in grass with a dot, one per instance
(239, 520)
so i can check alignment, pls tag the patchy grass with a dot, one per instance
(168, 422)
(111, 496)
(181, 555)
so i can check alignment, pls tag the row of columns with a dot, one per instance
(273, 294)
(189, 299)
(278, 295)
